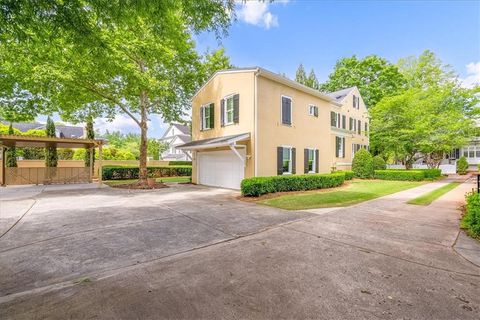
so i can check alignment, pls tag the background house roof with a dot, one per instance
(66, 131)
(183, 128)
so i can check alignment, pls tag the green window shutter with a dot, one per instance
(343, 147)
(317, 161)
(359, 127)
(294, 162)
(236, 108)
(337, 146)
(279, 161)
(212, 115)
(201, 118)
(305, 160)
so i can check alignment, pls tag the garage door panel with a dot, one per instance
(221, 169)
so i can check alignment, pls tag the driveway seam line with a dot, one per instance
(382, 253)
(458, 253)
(19, 219)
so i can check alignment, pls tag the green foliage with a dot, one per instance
(65, 154)
(213, 62)
(400, 175)
(374, 76)
(349, 175)
(123, 173)
(462, 166)
(254, 187)
(180, 163)
(108, 153)
(301, 75)
(4, 129)
(91, 136)
(34, 153)
(312, 81)
(379, 163)
(11, 153)
(431, 174)
(51, 156)
(471, 219)
(154, 148)
(362, 164)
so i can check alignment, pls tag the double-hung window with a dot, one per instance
(286, 110)
(287, 160)
(229, 110)
(333, 118)
(206, 114)
(311, 161)
(340, 147)
(313, 110)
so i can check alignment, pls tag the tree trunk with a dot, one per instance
(143, 139)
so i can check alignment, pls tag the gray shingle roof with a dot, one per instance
(183, 128)
(66, 131)
(340, 94)
(214, 141)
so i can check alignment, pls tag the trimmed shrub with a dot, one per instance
(348, 174)
(254, 187)
(462, 166)
(379, 163)
(362, 164)
(124, 173)
(400, 175)
(180, 163)
(431, 173)
(471, 219)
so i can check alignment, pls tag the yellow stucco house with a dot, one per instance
(252, 122)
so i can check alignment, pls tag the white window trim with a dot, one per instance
(310, 110)
(290, 163)
(203, 106)
(291, 111)
(341, 152)
(339, 121)
(314, 166)
(225, 109)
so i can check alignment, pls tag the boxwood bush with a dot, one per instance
(362, 164)
(379, 163)
(462, 166)
(348, 174)
(471, 219)
(401, 175)
(254, 187)
(431, 173)
(124, 173)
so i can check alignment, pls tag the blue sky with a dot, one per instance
(280, 35)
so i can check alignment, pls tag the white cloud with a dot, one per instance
(125, 124)
(473, 75)
(258, 13)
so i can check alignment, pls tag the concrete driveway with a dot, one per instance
(197, 253)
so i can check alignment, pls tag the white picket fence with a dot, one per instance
(446, 168)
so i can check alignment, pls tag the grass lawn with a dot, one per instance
(357, 191)
(112, 183)
(426, 199)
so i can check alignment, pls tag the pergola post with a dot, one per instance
(100, 170)
(92, 167)
(3, 167)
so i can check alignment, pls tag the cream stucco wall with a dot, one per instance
(350, 137)
(306, 131)
(220, 86)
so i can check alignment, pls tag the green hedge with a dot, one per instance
(124, 173)
(254, 187)
(431, 173)
(400, 175)
(362, 164)
(348, 174)
(471, 219)
(180, 163)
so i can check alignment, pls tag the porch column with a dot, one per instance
(100, 171)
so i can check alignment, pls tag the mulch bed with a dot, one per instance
(138, 186)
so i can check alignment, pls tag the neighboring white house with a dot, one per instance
(177, 134)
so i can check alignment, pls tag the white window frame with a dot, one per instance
(225, 112)
(202, 113)
(314, 164)
(340, 150)
(290, 148)
(311, 107)
(339, 121)
(291, 110)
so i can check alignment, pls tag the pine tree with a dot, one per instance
(312, 81)
(91, 136)
(300, 75)
(11, 154)
(51, 157)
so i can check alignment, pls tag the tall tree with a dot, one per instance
(312, 81)
(134, 60)
(51, 157)
(301, 75)
(11, 153)
(374, 76)
(214, 61)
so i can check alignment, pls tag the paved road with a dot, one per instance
(227, 259)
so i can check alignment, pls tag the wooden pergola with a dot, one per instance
(8, 141)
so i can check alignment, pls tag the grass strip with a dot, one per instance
(426, 199)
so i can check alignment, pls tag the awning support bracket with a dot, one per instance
(233, 148)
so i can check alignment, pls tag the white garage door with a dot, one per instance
(220, 169)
